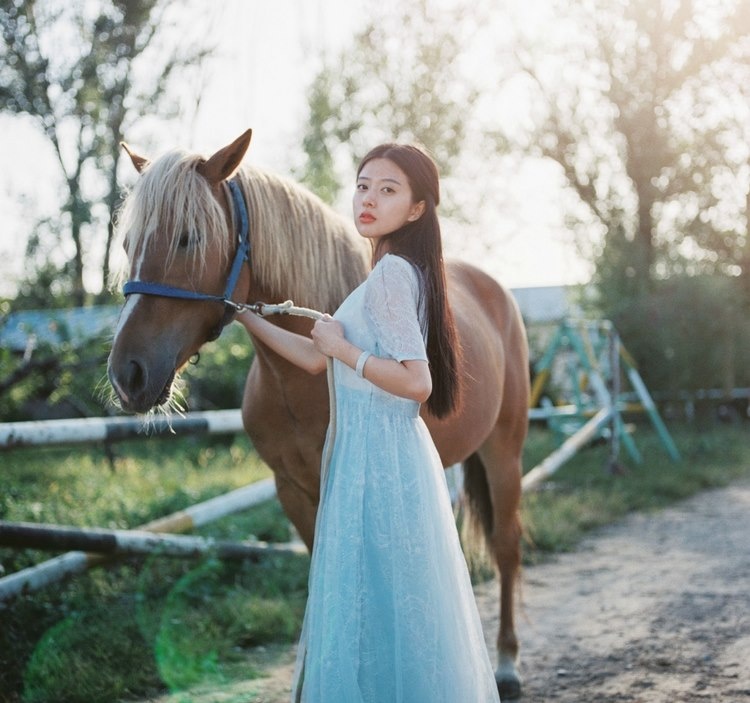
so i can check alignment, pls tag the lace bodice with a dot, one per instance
(382, 316)
(392, 302)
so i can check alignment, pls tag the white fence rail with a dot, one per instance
(111, 429)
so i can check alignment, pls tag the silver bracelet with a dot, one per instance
(360, 367)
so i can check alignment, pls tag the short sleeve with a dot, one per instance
(392, 308)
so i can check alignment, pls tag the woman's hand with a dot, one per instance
(328, 335)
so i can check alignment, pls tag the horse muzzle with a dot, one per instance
(139, 386)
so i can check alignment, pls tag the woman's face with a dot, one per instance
(383, 200)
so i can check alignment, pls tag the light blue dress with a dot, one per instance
(391, 616)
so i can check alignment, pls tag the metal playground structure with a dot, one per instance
(593, 369)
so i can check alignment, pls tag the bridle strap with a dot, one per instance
(165, 291)
(241, 256)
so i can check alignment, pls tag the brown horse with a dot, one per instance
(178, 227)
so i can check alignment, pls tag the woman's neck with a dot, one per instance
(379, 250)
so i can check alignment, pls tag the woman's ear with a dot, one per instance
(417, 210)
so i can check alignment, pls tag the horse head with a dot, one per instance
(177, 229)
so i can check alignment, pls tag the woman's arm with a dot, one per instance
(406, 379)
(294, 347)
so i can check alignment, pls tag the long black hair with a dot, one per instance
(420, 243)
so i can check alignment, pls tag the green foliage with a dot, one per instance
(81, 99)
(125, 485)
(686, 333)
(641, 118)
(217, 381)
(83, 656)
(140, 627)
(218, 611)
(64, 380)
(69, 379)
(45, 284)
(319, 171)
(103, 635)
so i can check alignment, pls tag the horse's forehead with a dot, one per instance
(142, 247)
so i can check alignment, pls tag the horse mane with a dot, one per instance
(300, 248)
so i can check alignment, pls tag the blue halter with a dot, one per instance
(241, 256)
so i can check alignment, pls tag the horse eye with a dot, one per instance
(184, 240)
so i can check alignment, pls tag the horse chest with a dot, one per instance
(286, 418)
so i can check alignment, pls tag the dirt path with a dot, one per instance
(655, 609)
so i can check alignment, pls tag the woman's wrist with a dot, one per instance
(346, 352)
(249, 320)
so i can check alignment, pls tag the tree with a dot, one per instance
(647, 116)
(641, 114)
(402, 79)
(72, 67)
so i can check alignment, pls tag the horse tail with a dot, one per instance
(480, 523)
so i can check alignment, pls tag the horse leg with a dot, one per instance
(499, 461)
(299, 507)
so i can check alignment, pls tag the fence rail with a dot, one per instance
(112, 429)
(55, 538)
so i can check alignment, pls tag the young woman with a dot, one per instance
(391, 615)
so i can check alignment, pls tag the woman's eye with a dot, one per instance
(361, 186)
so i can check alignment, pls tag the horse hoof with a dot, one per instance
(508, 681)
(509, 689)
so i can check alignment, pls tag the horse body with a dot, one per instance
(302, 251)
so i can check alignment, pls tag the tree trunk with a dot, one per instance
(644, 236)
(78, 290)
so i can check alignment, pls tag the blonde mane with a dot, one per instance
(300, 248)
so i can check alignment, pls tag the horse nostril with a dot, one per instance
(135, 378)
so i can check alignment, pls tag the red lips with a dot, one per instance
(366, 217)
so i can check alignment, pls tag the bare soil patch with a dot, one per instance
(653, 609)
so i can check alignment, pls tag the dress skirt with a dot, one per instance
(391, 615)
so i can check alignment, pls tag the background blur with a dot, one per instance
(597, 149)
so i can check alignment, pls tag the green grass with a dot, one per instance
(583, 495)
(142, 628)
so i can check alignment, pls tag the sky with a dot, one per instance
(269, 54)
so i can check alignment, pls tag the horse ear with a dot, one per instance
(226, 161)
(140, 162)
